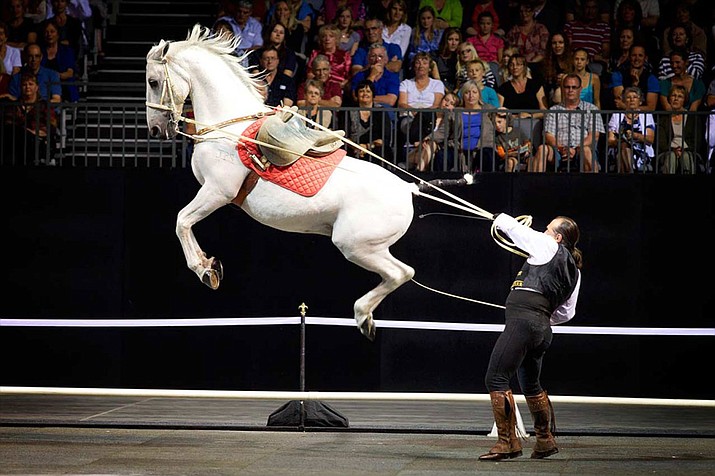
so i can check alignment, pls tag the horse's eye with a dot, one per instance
(153, 83)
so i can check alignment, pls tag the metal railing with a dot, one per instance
(114, 134)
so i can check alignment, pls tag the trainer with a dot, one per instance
(544, 293)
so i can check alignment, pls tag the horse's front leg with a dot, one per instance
(208, 269)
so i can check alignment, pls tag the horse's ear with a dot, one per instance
(165, 50)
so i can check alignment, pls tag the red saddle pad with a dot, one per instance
(306, 176)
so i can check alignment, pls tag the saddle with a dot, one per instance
(286, 131)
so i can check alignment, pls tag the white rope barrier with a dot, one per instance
(357, 396)
(336, 321)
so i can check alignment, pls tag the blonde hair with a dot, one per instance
(463, 66)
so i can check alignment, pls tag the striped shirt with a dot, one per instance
(695, 68)
(589, 36)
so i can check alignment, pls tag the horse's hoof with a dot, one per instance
(218, 267)
(211, 278)
(367, 328)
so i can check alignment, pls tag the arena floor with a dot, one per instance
(55, 434)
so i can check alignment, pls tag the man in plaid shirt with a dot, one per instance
(570, 136)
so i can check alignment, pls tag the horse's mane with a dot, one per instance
(220, 45)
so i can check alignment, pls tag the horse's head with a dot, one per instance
(166, 90)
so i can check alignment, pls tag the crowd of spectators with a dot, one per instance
(517, 52)
(45, 46)
(512, 58)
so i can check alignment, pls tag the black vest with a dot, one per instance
(556, 280)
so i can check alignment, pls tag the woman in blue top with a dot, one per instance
(61, 58)
(591, 89)
(477, 129)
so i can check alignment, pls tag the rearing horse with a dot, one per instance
(362, 207)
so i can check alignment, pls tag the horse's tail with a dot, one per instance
(424, 186)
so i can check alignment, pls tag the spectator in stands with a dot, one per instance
(448, 13)
(470, 22)
(275, 35)
(445, 61)
(698, 38)
(694, 88)
(529, 36)
(512, 146)
(280, 88)
(593, 35)
(332, 91)
(47, 79)
(349, 37)
(569, 137)
(523, 93)
(465, 53)
(340, 61)
(682, 41)
(425, 35)
(477, 71)
(296, 16)
(621, 51)
(386, 84)
(311, 109)
(60, 58)
(635, 73)
(631, 134)
(420, 92)
(10, 56)
(331, 9)
(477, 129)
(489, 46)
(442, 143)
(630, 14)
(20, 30)
(558, 61)
(69, 27)
(373, 34)
(396, 30)
(503, 75)
(27, 123)
(650, 10)
(247, 27)
(369, 128)
(678, 135)
(590, 82)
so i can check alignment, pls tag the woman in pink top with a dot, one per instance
(340, 60)
(489, 46)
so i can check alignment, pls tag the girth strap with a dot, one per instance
(246, 187)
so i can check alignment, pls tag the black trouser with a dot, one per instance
(521, 347)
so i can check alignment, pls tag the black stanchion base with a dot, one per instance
(314, 414)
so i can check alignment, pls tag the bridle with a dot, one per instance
(167, 94)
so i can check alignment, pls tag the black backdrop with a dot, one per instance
(83, 244)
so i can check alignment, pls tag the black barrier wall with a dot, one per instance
(84, 244)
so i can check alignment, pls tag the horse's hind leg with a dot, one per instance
(394, 274)
(206, 201)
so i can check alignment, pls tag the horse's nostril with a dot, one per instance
(155, 131)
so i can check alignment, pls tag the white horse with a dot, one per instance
(363, 208)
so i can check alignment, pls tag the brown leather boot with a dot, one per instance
(508, 445)
(544, 424)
